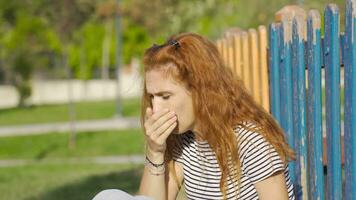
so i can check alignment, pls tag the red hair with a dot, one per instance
(220, 100)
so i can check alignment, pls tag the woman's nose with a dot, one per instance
(156, 105)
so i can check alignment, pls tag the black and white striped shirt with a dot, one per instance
(202, 174)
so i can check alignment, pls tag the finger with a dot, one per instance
(155, 116)
(160, 130)
(163, 119)
(152, 119)
(163, 137)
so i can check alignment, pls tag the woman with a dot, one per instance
(203, 127)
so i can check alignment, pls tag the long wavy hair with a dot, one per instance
(220, 101)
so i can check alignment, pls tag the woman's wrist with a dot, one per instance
(155, 157)
(154, 168)
(154, 161)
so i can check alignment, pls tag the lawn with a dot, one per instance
(89, 144)
(59, 113)
(66, 181)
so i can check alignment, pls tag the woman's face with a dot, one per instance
(165, 92)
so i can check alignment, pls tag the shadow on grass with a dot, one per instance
(44, 152)
(128, 181)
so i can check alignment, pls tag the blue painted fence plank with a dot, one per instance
(332, 78)
(350, 101)
(274, 33)
(315, 131)
(285, 82)
(299, 107)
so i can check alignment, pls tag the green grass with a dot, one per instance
(59, 113)
(66, 181)
(55, 145)
(46, 177)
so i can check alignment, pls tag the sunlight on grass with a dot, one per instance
(103, 143)
(66, 181)
(59, 113)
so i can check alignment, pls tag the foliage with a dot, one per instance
(24, 39)
(42, 32)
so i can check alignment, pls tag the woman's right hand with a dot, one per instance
(158, 126)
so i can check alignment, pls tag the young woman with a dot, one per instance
(204, 130)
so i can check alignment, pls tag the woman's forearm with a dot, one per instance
(153, 182)
(153, 185)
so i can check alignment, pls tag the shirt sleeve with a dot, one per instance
(259, 159)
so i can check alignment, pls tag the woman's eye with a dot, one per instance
(165, 97)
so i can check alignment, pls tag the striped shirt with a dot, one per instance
(202, 174)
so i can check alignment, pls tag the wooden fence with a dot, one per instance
(297, 55)
(245, 52)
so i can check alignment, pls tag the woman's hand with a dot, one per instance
(158, 126)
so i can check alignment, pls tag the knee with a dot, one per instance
(111, 194)
(114, 194)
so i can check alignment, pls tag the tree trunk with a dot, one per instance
(71, 106)
(106, 49)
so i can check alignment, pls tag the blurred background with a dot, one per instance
(71, 80)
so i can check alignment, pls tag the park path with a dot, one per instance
(89, 125)
(124, 159)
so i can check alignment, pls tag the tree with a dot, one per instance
(23, 39)
(65, 17)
